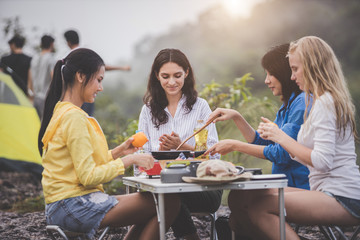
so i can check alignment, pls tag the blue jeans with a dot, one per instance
(350, 204)
(80, 214)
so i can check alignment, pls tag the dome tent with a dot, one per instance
(19, 128)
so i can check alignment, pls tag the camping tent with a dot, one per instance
(19, 128)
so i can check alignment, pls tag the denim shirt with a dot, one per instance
(289, 119)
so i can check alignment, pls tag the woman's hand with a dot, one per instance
(124, 149)
(168, 142)
(224, 114)
(223, 147)
(143, 160)
(270, 131)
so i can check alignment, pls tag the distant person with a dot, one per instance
(41, 72)
(73, 41)
(289, 118)
(17, 62)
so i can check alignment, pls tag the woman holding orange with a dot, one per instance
(77, 161)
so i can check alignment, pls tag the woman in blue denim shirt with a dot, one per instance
(289, 118)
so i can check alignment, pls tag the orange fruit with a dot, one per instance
(273, 123)
(139, 139)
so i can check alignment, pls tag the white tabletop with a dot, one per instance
(155, 185)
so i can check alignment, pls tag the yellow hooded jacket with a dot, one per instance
(76, 157)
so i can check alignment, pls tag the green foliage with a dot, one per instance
(228, 96)
(35, 204)
(238, 91)
(132, 126)
(212, 92)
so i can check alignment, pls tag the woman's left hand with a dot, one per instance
(270, 131)
(168, 142)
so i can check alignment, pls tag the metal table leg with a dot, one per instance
(128, 192)
(162, 216)
(282, 213)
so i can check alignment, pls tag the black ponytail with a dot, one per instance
(81, 60)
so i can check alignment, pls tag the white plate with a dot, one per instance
(268, 176)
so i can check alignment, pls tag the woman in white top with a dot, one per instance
(171, 105)
(178, 126)
(325, 144)
(169, 116)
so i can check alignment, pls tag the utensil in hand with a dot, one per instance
(205, 125)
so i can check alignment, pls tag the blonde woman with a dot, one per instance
(325, 144)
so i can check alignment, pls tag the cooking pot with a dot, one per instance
(174, 171)
(173, 154)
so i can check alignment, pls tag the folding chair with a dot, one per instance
(66, 235)
(329, 233)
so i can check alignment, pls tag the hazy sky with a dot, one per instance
(110, 27)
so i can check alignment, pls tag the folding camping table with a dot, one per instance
(156, 186)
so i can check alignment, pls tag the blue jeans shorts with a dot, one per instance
(350, 204)
(80, 214)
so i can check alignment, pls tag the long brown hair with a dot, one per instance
(155, 97)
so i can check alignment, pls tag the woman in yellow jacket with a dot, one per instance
(77, 160)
